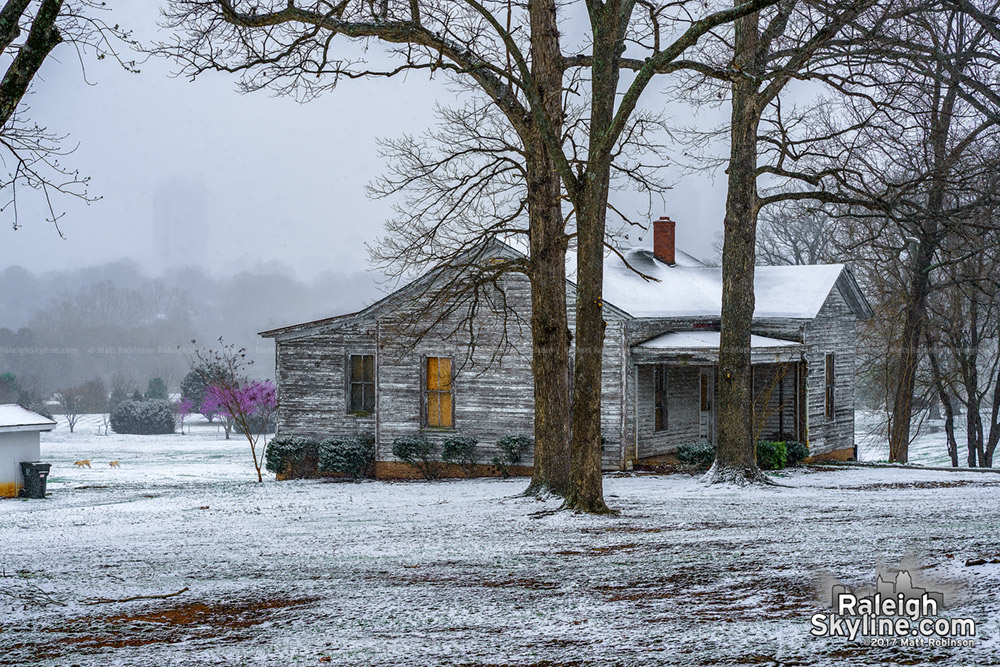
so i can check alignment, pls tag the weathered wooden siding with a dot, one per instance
(833, 330)
(612, 403)
(312, 382)
(492, 398)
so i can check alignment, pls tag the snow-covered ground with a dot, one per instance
(928, 448)
(466, 572)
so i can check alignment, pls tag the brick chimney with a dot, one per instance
(663, 240)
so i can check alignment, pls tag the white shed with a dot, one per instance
(20, 431)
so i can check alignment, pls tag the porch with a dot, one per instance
(675, 385)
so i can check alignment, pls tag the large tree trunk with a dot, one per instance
(549, 320)
(586, 489)
(908, 355)
(550, 342)
(972, 448)
(735, 454)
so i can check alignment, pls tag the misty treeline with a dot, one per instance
(114, 323)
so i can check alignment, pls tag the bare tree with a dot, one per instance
(71, 405)
(886, 147)
(29, 32)
(939, 378)
(964, 318)
(922, 166)
(769, 162)
(795, 232)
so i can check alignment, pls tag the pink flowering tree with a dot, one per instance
(183, 410)
(249, 405)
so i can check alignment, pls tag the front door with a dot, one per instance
(706, 414)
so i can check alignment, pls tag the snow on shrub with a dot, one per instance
(419, 452)
(510, 449)
(143, 417)
(348, 455)
(290, 455)
(461, 451)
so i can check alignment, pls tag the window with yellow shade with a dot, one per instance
(438, 405)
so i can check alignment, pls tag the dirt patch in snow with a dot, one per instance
(598, 551)
(949, 484)
(189, 621)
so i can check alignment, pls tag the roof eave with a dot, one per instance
(20, 428)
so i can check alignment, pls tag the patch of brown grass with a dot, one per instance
(598, 551)
(880, 486)
(191, 620)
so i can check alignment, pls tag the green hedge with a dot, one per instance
(771, 455)
(461, 451)
(797, 452)
(143, 417)
(511, 449)
(350, 455)
(699, 454)
(418, 451)
(292, 456)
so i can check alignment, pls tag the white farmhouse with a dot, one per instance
(20, 431)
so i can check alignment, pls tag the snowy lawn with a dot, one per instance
(466, 572)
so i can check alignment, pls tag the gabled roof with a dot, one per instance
(636, 284)
(15, 418)
(490, 250)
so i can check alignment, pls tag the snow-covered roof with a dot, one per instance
(15, 418)
(688, 289)
(698, 340)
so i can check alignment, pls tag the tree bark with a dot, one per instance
(42, 38)
(586, 488)
(736, 454)
(994, 438)
(549, 318)
(908, 355)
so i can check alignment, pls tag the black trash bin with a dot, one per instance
(35, 474)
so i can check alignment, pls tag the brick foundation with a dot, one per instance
(398, 470)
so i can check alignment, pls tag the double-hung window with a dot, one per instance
(361, 383)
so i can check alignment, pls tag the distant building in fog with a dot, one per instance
(180, 222)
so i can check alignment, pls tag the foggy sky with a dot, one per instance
(196, 173)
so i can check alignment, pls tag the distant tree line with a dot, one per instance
(114, 324)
